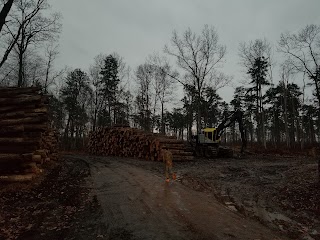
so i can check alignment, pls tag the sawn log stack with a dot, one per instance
(26, 139)
(132, 142)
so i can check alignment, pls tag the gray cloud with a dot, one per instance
(137, 28)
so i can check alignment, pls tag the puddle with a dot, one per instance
(273, 219)
(255, 208)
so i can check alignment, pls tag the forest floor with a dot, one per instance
(86, 197)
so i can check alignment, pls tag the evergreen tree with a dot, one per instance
(110, 82)
(189, 106)
(210, 103)
(258, 73)
(75, 96)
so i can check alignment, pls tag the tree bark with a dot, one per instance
(20, 55)
(163, 129)
(4, 12)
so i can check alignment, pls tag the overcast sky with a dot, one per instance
(136, 28)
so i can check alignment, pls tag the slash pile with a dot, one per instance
(26, 139)
(132, 142)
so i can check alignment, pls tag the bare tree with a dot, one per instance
(97, 100)
(51, 53)
(303, 52)
(248, 52)
(144, 78)
(34, 68)
(4, 12)
(163, 84)
(199, 56)
(8, 72)
(15, 24)
(29, 27)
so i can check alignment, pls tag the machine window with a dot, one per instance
(210, 135)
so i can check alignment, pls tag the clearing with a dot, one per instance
(88, 197)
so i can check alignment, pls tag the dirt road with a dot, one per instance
(138, 204)
(87, 197)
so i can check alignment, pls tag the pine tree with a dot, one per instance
(258, 73)
(75, 96)
(110, 82)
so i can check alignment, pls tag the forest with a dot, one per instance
(111, 114)
(173, 92)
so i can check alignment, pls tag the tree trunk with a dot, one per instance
(4, 12)
(66, 130)
(190, 123)
(20, 76)
(263, 130)
(21, 49)
(286, 115)
(199, 111)
(96, 108)
(47, 74)
(163, 130)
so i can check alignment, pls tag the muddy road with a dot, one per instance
(88, 197)
(139, 204)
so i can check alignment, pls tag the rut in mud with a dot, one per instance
(139, 202)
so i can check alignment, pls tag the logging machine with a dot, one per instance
(207, 142)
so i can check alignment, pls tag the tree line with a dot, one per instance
(278, 106)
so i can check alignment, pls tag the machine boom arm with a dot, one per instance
(236, 116)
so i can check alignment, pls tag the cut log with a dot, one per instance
(183, 158)
(11, 115)
(43, 109)
(26, 120)
(18, 149)
(15, 91)
(31, 107)
(15, 157)
(18, 141)
(36, 127)
(33, 135)
(5, 159)
(11, 130)
(180, 153)
(129, 142)
(41, 152)
(37, 159)
(31, 168)
(19, 101)
(25, 128)
(7, 109)
(17, 178)
(170, 141)
(178, 146)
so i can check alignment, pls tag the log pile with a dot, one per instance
(132, 142)
(26, 139)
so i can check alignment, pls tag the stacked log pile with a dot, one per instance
(131, 142)
(26, 139)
